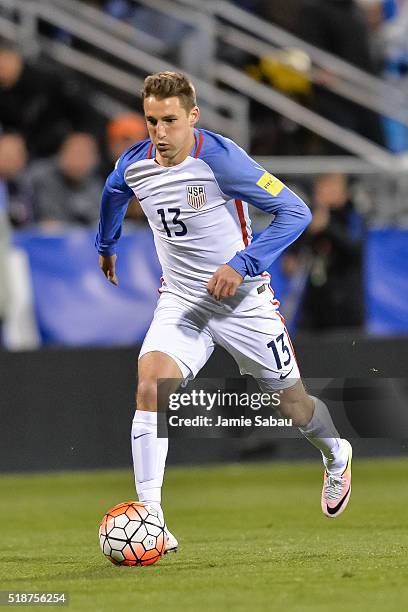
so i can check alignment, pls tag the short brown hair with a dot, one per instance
(168, 84)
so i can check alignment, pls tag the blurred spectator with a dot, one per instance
(388, 20)
(121, 133)
(285, 70)
(332, 245)
(182, 42)
(43, 106)
(340, 27)
(67, 188)
(283, 14)
(17, 191)
(158, 24)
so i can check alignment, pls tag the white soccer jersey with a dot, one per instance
(198, 213)
(186, 210)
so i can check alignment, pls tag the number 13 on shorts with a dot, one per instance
(282, 352)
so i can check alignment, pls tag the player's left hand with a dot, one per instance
(224, 282)
(107, 264)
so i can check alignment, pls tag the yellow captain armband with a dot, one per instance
(270, 183)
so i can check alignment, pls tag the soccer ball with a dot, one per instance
(132, 533)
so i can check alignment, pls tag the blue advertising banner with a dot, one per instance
(75, 305)
(386, 281)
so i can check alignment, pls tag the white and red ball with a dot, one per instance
(132, 533)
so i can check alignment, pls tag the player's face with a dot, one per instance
(171, 128)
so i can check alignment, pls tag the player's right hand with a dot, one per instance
(107, 264)
(224, 282)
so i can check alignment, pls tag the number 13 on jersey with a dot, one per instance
(175, 212)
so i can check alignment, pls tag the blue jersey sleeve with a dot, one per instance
(240, 177)
(115, 199)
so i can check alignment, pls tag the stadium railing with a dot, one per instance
(223, 22)
(221, 110)
(248, 33)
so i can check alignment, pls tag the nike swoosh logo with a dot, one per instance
(282, 376)
(144, 434)
(339, 505)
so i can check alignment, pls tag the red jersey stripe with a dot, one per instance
(200, 144)
(149, 151)
(281, 318)
(241, 216)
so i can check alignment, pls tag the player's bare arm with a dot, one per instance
(224, 282)
(107, 264)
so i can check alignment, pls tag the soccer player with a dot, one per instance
(193, 186)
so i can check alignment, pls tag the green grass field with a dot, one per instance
(251, 538)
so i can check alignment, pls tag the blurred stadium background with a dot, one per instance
(316, 90)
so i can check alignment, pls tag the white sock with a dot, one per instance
(321, 432)
(149, 457)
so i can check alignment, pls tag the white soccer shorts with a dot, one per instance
(248, 326)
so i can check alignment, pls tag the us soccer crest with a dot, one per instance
(196, 196)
